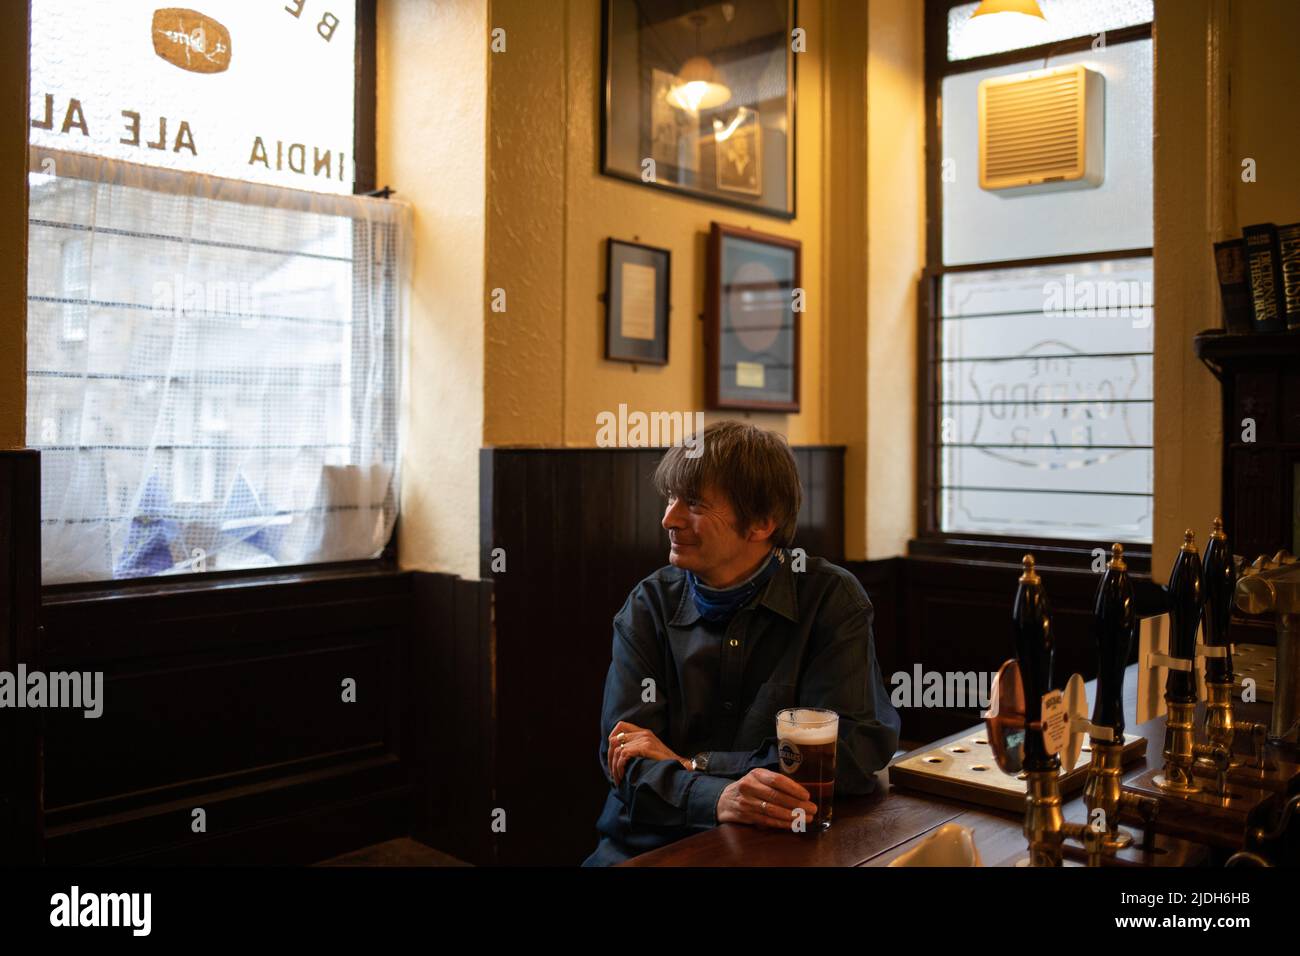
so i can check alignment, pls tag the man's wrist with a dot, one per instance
(699, 763)
(702, 799)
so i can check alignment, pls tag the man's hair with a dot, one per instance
(753, 467)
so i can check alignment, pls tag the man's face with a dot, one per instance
(703, 536)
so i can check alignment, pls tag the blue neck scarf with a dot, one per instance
(719, 605)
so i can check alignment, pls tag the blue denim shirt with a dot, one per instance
(805, 639)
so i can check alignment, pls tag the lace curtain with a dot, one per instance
(214, 370)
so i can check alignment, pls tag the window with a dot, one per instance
(1041, 320)
(214, 360)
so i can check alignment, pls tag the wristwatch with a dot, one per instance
(700, 762)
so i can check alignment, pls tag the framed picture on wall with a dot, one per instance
(699, 99)
(636, 302)
(751, 315)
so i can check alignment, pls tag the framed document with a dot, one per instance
(753, 298)
(636, 302)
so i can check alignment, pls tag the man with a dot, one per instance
(708, 650)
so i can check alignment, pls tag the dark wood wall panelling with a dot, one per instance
(21, 823)
(452, 697)
(228, 697)
(579, 529)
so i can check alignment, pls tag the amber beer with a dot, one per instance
(806, 745)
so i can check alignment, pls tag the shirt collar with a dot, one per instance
(777, 595)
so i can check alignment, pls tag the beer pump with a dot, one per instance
(1181, 750)
(1220, 580)
(1045, 827)
(1115, 628)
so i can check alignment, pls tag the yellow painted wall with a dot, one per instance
(1265, 117)
(550, 211)
(431, 147)
(847, 178)
(13, 223)
(896, 256)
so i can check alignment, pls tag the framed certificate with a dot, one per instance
(753, 299)
(636, 302)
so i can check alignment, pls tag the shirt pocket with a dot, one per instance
(760, 718)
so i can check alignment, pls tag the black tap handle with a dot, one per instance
(1220, 582)
(1184, 619)
(1114, 627)
(1031, 623)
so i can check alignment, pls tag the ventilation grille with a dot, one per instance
(1040, 129)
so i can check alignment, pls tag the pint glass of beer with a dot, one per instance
(806, 742)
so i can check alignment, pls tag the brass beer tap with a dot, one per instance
(1045, 828)
(1220, 575)
(1115, 626)
(1181, 750)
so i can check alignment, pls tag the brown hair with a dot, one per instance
(752, 466)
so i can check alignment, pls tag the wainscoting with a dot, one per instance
(229, 697)
(21, 826)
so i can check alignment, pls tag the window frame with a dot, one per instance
(931, 540)
(364, 135)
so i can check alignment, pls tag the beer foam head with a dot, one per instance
(808, 727)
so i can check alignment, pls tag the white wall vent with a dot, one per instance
(1042, 130)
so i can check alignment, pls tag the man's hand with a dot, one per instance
(764, 798)
(636, 742)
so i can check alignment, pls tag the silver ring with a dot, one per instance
(764, 807)
(621, 735)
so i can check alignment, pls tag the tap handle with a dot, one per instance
(1031, 623)
(1184, 618)
(1114, 626)
(1220, 583)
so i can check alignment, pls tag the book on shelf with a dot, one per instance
(1264, 266)
(1234, 284)
(1288, 244)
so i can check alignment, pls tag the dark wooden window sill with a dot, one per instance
(1048, 552)
(181, 584)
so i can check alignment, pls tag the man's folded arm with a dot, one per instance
(656, 792)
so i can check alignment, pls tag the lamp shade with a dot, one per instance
(697, 86)
(1029, 8)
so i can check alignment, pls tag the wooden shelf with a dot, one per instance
(1218, 349)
